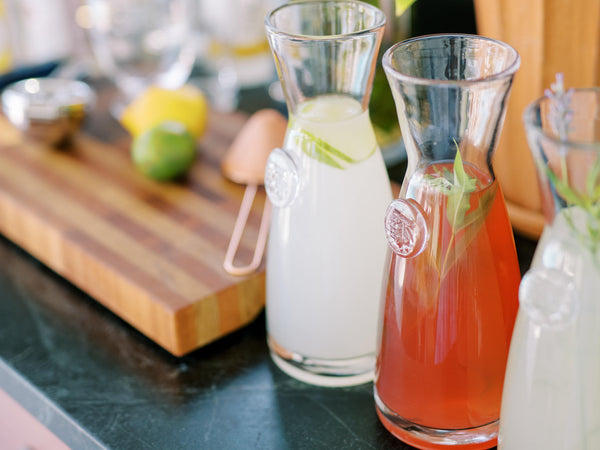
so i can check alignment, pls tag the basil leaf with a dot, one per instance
(459, 202)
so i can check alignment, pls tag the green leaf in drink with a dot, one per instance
(459, 200)
(458, 186)
(588, 201)
(324, 152)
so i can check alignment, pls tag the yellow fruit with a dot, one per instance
(186, 105)
(164, 151)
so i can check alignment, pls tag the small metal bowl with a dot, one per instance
(49, 110)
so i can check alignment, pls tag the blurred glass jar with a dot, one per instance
(236, 31)
(138, 43)
(35, 31)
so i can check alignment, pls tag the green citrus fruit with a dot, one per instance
(164, 151)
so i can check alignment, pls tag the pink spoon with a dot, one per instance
(244, 163)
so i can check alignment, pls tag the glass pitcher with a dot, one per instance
(551, 396)
(329, 188)
(451, 297)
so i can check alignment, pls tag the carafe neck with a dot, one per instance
(450, 93)
(336, 54)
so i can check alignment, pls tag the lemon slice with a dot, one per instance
(186, 105)
(334, 130)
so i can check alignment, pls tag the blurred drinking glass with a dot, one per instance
(138, 43)
(233, 52)
(236, 28)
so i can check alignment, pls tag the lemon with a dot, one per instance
(186, 105)
(165, 151)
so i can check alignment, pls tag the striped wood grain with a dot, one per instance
(151, 252)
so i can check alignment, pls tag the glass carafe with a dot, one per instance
(551, 396)
(329, 188)
(451, 297)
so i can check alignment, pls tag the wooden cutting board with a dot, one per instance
(151, 252)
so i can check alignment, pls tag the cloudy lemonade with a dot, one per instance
(327, 250)
(552, 399)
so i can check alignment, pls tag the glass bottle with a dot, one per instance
(551, 392)
(329, 188)
(451, 297)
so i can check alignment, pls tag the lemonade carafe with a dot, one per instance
(329, 188)
(551, 397)
(451, 297)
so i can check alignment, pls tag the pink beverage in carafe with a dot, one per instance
(453, 363)
(452, 290)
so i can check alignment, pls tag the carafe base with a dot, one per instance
(426, 438)
(323, 372)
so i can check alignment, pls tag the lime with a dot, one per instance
(186, 105)
(165, 151)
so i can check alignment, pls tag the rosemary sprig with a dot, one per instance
(561, 114)
(560, 117)
(588, 201)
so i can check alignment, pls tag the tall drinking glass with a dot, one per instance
(552, 391)
(138, 43)
(330, 188)
(451, 297)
